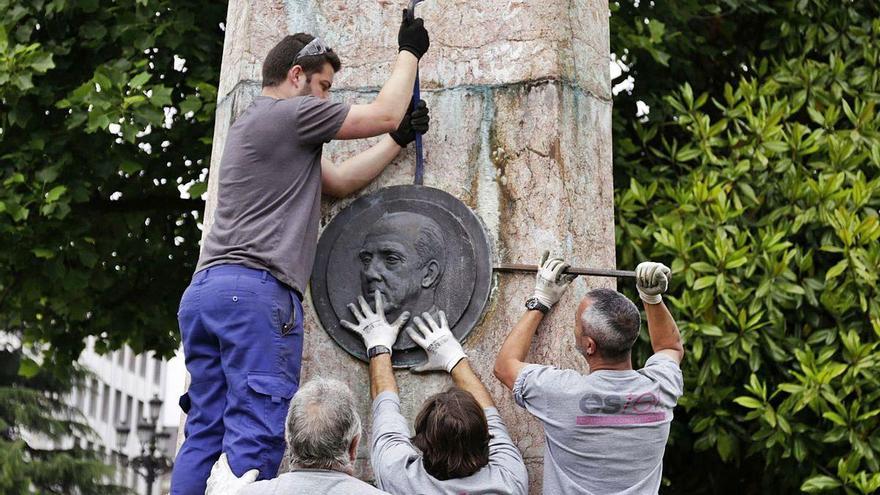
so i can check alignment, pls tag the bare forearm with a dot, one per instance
(382, 375)
(465, 378)
(352, 174)
(662, 328)
(397, 90)
(513, 352)
(518, 343)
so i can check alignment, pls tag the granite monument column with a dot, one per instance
(520, 102)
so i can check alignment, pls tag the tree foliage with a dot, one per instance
(106, 112)
(755, 177)
(33, 418)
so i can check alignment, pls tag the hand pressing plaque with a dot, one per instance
(420, 247)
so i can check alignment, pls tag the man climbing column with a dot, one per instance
(241, 317)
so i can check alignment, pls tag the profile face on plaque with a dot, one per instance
(403, 257)
(421, 248)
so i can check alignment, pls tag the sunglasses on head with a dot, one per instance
(314, 47)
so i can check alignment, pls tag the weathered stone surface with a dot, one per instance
(521, 114)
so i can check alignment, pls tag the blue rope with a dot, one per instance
(420, 158)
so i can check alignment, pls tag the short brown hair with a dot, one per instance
(453, 435)
(281, 57)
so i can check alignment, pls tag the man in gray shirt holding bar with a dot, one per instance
(460, 445)
(606, 431)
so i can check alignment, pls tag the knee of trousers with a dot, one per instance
(255, 421)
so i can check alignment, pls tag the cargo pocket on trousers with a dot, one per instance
(271, 394)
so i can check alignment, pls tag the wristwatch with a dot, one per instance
(376, 350)
(533, 303)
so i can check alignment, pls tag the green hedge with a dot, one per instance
(763, 198)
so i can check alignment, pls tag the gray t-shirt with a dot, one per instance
(269, 198)
(311, 482)
(398, 467)
(605, 432)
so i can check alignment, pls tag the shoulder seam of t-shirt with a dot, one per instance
(518, 384)
(386, 396)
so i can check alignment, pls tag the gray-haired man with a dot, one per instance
(606, 431)
(323, 432)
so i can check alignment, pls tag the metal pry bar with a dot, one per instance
(592, 272)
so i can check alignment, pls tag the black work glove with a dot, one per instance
(415, 121)
(412, 37)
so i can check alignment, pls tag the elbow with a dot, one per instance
(388, 117)
(497, 369)
(390, 123)
(501, 372)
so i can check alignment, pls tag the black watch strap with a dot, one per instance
(376, 350)
(533, 303)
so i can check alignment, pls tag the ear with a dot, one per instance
(353, 448)
(431, 274)
(589, 345)
(293, 75)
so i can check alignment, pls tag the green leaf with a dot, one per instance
(687, 154)
(130, 167)
(190, 104)
(197, 190)
(704, 282)
(819, 483)
(834, 417)
(726, 443)
(792, 288)
(48, 174)
(749, 402)
(43, 253)
(161, 96)
(93, 31)
(43, 63)
(836, 270)
(28, 368)
(711, 330)
(55, 193)
(139, 80)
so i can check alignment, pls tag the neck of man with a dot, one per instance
(280, 92)
(348, 469)
(272, 92)
(598, 363)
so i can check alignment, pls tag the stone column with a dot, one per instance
(520, 102)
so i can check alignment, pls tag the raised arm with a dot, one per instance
(385, 112)
(652, 280)
(446, 354)
(341, 179)
(465, 378)
(512, 356)
(550, 284)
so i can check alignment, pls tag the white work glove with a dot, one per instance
(372, 326)
(444, 350)
(551, 283)
(224, 482)
(652, 280)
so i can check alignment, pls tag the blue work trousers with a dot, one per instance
(242, 339)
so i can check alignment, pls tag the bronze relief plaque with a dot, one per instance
(420, 247)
